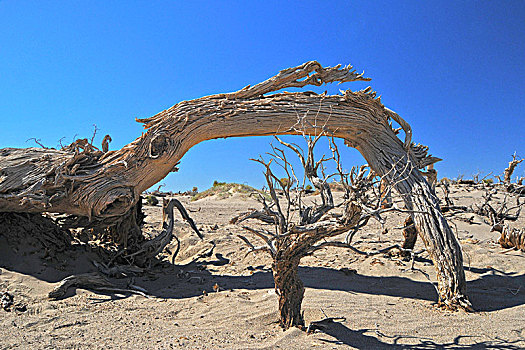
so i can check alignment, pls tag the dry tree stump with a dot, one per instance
(507, 174)
(410, 234)
(100, 188)
(511, 237)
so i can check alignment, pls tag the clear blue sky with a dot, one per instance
(454, 70)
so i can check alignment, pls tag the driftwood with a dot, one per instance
(91, 281)
(99, 188)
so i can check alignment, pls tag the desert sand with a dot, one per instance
(225, 299)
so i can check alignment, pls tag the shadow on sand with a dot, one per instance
(359, 340)
(177, 282)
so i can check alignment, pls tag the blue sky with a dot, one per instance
(454, 70)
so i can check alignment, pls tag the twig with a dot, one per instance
(37, 141)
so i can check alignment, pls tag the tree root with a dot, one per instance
(457, 302)
(145, 254)
(92, 281)
(21, 228)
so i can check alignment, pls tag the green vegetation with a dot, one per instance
(151, 200)
(224, 190)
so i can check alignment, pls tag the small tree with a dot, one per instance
(298, 228)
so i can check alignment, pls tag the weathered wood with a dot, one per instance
(510, 169)
(410, 234)
(290, 289)
(511, 237)
(92, 281)
(104, 186)
(386, 195)
(296, 238)
(156, 245)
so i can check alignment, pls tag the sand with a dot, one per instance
(385, 304)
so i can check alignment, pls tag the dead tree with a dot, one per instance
(101, 189)
(298, 227)
(497, 214)
(517, 187)
(507, 175)
(105, 143)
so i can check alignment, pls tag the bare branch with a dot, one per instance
(95, 130)
(37, 141)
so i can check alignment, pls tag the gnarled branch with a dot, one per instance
(102, 187)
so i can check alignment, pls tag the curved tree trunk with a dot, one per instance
(101, 187)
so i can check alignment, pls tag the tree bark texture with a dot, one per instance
(290, 289)
(104, 186)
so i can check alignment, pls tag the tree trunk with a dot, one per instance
(410, 234)
(433, 228)
(104, 186)
(290, 289)
(386, 197)
(510, 169)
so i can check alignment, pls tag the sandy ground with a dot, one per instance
(386, 305)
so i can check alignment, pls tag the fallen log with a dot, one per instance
(101, 188)
(91, 281)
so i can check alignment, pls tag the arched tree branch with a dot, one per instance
(102, 187)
